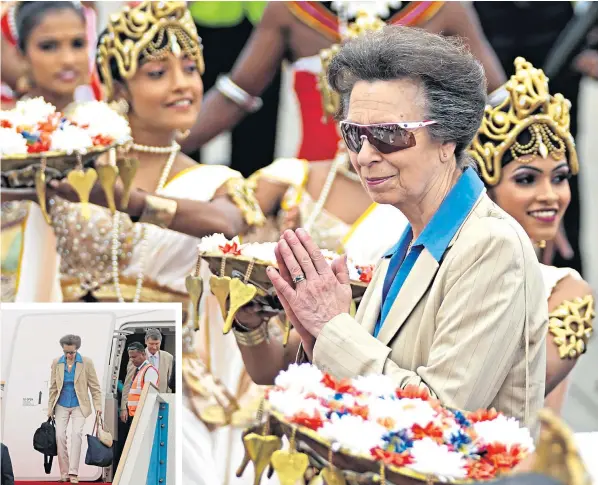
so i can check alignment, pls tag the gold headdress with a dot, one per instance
(149, 30)
(364, 22)
(523, 119)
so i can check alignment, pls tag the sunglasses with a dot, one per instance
(384, 137)
(69, 353)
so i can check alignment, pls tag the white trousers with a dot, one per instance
(69, 462)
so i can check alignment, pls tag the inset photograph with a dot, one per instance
(89, 393)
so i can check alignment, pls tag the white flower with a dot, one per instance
(430, 458)
(380, 8)
(11, 142)
(211, 244)
(291, 403)
(32, 111)
(101, 120)
(504, 430)
(260, 251)
(376, 385)
(404, 412)
(70, 139)
(353, 433)
(303, 378)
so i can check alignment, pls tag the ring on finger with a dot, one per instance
(299, 278)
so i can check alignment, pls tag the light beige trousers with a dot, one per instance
(69, 462)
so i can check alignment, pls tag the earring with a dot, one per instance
(181, 135)
(121, 106)
(23, 84)
(542, 244)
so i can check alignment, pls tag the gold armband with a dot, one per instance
(253, 337)
(571, 326)
(158, 211)
(242, 193)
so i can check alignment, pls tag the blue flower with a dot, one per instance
(462, 420)
(338, 396)
(460, 440)
(397, 441)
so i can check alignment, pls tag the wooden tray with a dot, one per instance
(362, 470)
(237, 267)
(18, 171)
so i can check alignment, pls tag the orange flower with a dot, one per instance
(413, 392)
(480, 470)
(343, 386)
(388, 423)
(483, 415)
(391, 458)
(361, 411)
(504, 459)
(430, 431)
(5, 124)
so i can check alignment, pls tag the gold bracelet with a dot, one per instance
(253, 337)
(158, 211)
(242, 193)
(571, 326)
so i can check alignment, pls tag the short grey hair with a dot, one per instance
(71, 339)
(453, 81)
(153, 334)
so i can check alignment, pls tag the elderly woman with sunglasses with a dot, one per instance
(73, 378)
(456, 306)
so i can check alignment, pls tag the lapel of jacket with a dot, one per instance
(369, 308)
(60, 375)
(416, 284)
(78, 370)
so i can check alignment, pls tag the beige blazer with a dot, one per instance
(471, 329)
(86, 381)
(164, 373)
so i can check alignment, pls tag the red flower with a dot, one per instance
(430, 431)
(391, 458)
(343, 386)
(5, 124)
(102, 140)
(480, 470)
(233, 249)
(483, 415)
(413, 392)
(504, 459)
(303, 419)
(365, 273)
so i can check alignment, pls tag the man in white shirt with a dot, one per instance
(160, 359)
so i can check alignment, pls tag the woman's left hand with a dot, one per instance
(324, 293)
(62, 188)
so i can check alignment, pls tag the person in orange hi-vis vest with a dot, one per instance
(145, 373)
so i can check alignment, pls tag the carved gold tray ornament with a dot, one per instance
(405, 453)
(239, 276)
(35, 122)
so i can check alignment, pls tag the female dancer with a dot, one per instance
(51, 38)
(526, 155)
(303, 29)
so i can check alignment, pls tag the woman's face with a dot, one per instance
(406, 175)
(166, 94)
(69, 351)
(535, 191)
(56, 52)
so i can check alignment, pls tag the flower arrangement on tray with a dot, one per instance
(240, 273)
(39, 143)
(366, 430)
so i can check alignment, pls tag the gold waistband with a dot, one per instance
(150, 292)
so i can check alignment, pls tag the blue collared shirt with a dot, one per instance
(68, 396)
(435, 237)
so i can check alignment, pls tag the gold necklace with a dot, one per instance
(173, 150)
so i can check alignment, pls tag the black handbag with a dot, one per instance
(98, 454)
(44, 441)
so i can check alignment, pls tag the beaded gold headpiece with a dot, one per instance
(523, 119)
(364, 22)
(150, 31)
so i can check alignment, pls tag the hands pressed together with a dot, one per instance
(311, 291)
